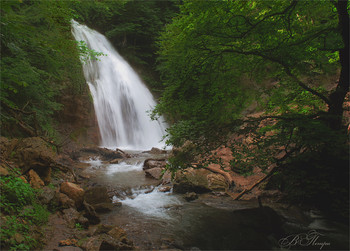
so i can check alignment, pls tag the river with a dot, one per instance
(157, 220)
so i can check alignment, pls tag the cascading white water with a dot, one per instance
(121, 99)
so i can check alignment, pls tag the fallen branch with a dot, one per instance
(272, 171)
(257, 183)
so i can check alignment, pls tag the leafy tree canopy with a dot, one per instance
(216, 57)
(39, 59)
(212, 54)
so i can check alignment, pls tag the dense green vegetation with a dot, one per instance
(132, 26)
(39, 57)
(21, 214)
(215, 58)
(39, 62)
(218, 62)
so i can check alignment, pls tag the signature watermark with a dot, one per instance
(311, 238)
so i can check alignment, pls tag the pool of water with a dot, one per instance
(157, 220)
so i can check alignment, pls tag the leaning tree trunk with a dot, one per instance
(337, 97)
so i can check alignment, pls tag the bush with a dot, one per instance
(21, 212)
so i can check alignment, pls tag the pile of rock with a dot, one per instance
(189, 182)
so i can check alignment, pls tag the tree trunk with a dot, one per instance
(336, 99)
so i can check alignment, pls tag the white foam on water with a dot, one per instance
(123, 167)
(155, 203)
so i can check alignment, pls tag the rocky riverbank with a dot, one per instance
(98, 203)
(75, 207)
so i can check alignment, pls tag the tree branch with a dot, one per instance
(286, 68)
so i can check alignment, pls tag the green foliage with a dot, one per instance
(15, 194)
(79, 226)
(39, 59)
(214, 56)
(87, 54)
(12, 227)
(22, 213)
(131, 26)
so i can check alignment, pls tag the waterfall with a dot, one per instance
(121, 99)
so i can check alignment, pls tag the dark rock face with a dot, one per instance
(98, 198)
(96, 195)
(190, 196)
(33, 153)
(73, 217)
(47, 195)
(90, 214)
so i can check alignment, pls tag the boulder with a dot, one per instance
(155, 173)
(35, 153)
(164, 189)
(74, 192)
(73, 217)
(90, 214)
(47, 195)
(110, 243)
(103, 207)
(114, 161)
(155, 150)
(217, 182)
(103, 229)
(104, 242)
(65, 201)
(118, 234)
(199, 181)
(96, 195)
(167, 178)
(98, 198)
(191, 180)
(91, 244)
(190, 196)
(4, 145)
(153, 163)
(104, 153)
(4, 171)
(34, 180)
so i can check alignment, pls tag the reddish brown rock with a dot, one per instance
(164, 189)
(34, 180)
(73, 191)
(65, 201)
(152, 163)
(3, 171)
(68, 242)
(155, 173)
(167, 178)
(118, 234)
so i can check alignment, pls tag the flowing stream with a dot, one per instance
(121, 99)
(157, 220)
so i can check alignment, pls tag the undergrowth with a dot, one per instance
(21, 214)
